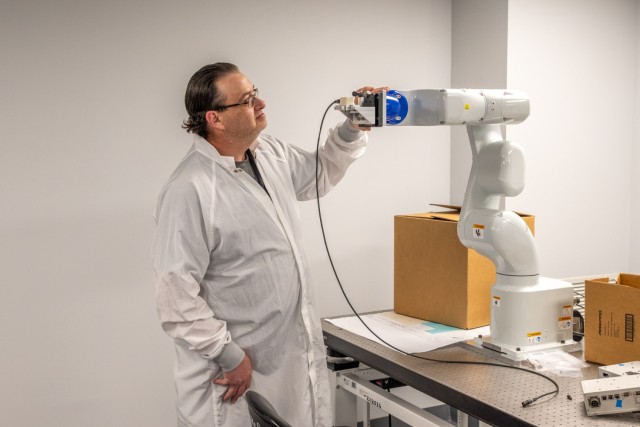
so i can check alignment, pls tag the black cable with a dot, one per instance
(335, 273)
(388, 388)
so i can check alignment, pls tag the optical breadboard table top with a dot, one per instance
(491, 394)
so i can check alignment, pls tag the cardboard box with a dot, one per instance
(437, 278)
(611, 313)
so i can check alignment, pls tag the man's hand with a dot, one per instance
(237, 381)
(368, 89)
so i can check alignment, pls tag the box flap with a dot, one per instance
(452, 207)
(453, 214)
(604, 280)
(427, 215)
(632, 280)
(446, 216)
(459, 209)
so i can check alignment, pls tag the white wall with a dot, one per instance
(635, 162)
(577, 61)
(91, 102)
(478, 61)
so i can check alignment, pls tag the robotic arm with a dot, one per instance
(528, 312)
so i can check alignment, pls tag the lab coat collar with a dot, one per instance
(203, 146)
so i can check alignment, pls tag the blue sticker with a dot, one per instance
(619, 403)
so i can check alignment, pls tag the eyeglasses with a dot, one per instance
(250, 101)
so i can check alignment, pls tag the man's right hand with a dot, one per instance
(237, 381)
(367, 89)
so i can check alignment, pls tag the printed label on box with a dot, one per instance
(628, 327)
(607, 326)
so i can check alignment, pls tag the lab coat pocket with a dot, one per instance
(217, 393)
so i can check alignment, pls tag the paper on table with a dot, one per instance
(406, 333)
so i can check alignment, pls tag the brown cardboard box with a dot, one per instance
(611, 311)
(436, 278)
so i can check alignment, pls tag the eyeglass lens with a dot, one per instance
(252, 98)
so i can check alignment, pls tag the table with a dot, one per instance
(493, 395)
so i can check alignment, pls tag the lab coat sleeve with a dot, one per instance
(335, 156)
(180, 259)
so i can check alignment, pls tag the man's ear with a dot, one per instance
(213, 119)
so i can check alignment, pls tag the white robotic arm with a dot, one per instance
(528, 312)
(497, 172)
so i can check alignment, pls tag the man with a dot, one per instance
(232, 279)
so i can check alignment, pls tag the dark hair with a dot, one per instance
(202, 95)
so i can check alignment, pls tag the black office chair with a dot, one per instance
(262, 413)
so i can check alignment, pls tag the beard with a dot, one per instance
(244, 133)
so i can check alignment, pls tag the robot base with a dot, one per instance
(530, 315)
(519, 354)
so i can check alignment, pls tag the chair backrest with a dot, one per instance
(262, 413)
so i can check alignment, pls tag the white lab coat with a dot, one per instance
(230, 266)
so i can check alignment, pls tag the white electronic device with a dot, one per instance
(529, 313)
(615, 395)
(628, 368)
